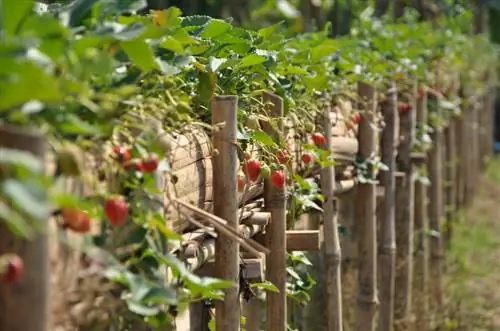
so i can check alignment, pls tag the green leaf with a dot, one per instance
(78, 11)
(27, 82)
(74, 125)
(14, 13)
(21, 158)
(166, 68)
(264, 138)
(251, 60)
(15, 222)
(266, 286)
(214, 63)
(327, 48)
(215, 28)
(141, 54)
(28, 197)
(269, 31)
(172, 44)
(140, 309)
(206, 85)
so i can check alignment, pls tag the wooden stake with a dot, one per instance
(275, 203)
(251, 311)
(450, 198)
(367, 299)
(225, 161)
(422, 229)
(435, 163)
(387, 249)
(25, 306)
(405, 219)
(331, 243)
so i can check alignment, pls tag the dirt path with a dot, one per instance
(473, 271)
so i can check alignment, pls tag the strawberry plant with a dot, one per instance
(98, 79)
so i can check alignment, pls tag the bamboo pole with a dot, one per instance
(275, 203)
(387, 250)
(405, 219)
(367, 299)
(31, 294)
(331, 242)
(251, 311)
(450, 176)
(461, 140)
(225, 161)
(468, 161)
(435, 163)
(421, 279)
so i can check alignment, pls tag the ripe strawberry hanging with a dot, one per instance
(12, 269)
(356, 118)
(121, 154)
(404, 107)
(319, 139)
(283, 157)
(76, 220)
(116, 210)
(252, 170)
(306, 158)
(150, 164)
(278, 179)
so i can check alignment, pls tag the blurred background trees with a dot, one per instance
(312, 15)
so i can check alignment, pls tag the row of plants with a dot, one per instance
(93, 76)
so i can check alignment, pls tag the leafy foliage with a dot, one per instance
(95, 74)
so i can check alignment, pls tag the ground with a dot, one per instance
(473, 266)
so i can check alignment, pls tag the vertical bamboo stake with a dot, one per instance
(198, 316)
(225, 192)
(367, 300)
(275, 203)
(405, 218)
(435, 213)
(474, 149)
(251, 311)
(469, 154)
(461, 140)
(450, 191)
(31, 294)
(422, 229)
(387, 249)
(331, 242)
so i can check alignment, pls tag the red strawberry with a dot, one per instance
(150, 164)
(138, 166)
(252, 170)
(14, 270)
(283, 157)
(278, 179)
(356, 119)
(116, 210)
(319, 139)
(242, 182)
(121, 154)
(76, 220)
(404, 107)
(306, 158)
